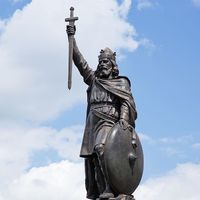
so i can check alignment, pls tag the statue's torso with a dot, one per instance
(103, 101)
(100, 95)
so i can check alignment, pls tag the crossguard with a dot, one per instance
(71, 19)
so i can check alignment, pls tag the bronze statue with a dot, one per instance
(111, 148)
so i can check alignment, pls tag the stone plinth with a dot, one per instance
(120, 197)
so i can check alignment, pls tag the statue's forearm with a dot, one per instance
(78, 58)
(124, 111)
(125, 114)
(81, 64)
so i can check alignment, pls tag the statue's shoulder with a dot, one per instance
(124, 81)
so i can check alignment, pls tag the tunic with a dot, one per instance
(103, 113)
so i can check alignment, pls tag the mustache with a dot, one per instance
(101, 67)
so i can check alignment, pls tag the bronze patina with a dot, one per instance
(111, 147)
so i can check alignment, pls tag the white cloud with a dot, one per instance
(61, 181)
(65, 180)
(177, 147)
(173, 151)
(18, 145)
(181, 183)
(145, 137)
(196, 3)
(142, 4)
(2, 26)
(33, 49)
(196, 145)
(182, 140)
(148, 44)
(124, 8)
(177, 140)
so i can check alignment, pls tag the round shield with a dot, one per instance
(123, 159)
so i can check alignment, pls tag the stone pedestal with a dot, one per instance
(120, 197)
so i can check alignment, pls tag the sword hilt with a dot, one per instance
(71, 19)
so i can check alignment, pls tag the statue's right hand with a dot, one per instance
(71, 30)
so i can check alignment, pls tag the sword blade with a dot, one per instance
(70, 62)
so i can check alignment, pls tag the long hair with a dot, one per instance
(115, 70)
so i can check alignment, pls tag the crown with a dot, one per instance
(107, 53)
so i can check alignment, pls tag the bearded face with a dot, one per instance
(104, 68)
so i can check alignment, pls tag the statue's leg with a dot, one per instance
(99, 177)
(90, 183)
(107, 193)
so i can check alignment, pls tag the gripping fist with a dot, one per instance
(71, 30)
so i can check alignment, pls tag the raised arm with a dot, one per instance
(79, 61)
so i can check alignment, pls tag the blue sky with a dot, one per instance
(157, 44)
(8, 7)
(166, 79)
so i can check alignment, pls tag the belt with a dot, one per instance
(102, 104)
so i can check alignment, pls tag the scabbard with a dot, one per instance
(71, 37)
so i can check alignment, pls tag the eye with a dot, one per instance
(105, 61)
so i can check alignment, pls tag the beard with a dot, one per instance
(103, 72)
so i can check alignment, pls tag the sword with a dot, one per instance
(71, 21)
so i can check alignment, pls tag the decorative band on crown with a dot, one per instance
(107, 53)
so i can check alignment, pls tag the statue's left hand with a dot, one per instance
(123, 123)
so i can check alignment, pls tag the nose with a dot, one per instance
(101, 62)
